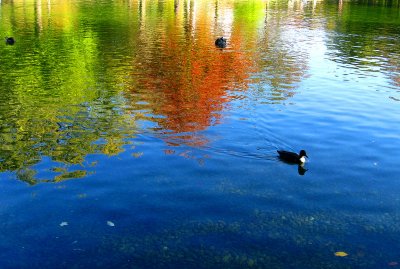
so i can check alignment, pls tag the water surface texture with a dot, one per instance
(128, 140)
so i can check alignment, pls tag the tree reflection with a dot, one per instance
(187, 80)
(66, 136)
(57, 100)
(82, 74)
(366, 38)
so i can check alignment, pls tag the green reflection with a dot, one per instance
(59, 99)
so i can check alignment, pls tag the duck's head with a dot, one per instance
(303, 153)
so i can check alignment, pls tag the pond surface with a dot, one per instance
(128, 140)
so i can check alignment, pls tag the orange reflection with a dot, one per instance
(187, 79)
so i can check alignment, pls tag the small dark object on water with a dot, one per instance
(292, 157)
(220, 42)
(10, 40)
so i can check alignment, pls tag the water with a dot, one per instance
(129, 141)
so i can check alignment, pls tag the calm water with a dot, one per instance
(128, 140)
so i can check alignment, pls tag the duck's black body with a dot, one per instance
(292, 157)
(10, 40)
(220, 42)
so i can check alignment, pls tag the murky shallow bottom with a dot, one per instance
(128, 159)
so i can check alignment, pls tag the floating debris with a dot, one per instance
(64, 223)
(137, 154)
(110, 223)
(341, 254)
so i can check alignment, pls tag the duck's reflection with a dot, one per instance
(301, 170)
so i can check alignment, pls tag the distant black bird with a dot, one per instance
(220, 42)
(291, 157)
(10, 40)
